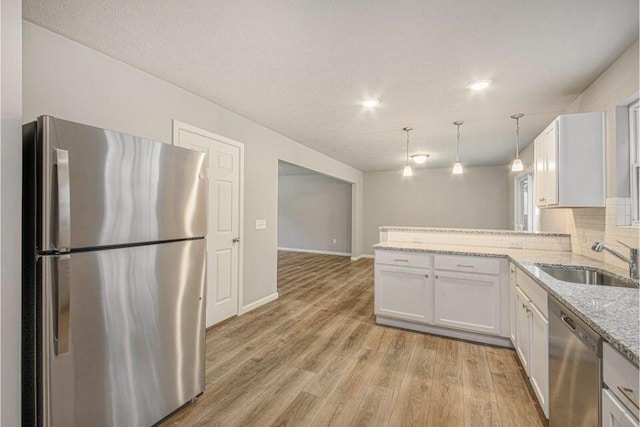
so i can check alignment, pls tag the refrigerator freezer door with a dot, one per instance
(121, 189)
(136, 340)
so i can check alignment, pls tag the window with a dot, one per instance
(634, 146)
(526, 218)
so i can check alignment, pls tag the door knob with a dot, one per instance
(236, 239)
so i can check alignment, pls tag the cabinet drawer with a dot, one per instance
(404, 258)
(535, 292)
(467, 264)
(621, 376)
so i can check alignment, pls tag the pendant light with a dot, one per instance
(407, 168)
(457, 167)
(517, 166)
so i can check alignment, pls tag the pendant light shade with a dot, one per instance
(457, 167)
(407, 167)
(517, 165)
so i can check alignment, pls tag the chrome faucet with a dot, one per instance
(632, 260)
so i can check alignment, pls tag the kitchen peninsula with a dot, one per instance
(489, 286)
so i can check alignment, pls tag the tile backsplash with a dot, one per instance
(492, 239)
(590, 225)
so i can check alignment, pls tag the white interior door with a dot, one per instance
(223, 246)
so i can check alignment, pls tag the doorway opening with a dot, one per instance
(527, 214)
(314, 212)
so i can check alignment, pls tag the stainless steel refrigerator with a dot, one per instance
(113, 276)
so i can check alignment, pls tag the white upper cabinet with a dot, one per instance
(569, 162)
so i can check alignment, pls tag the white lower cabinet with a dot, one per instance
(467, 301)
(539, 363)
(403, 293)
(614, 414)
(523, 329)
(512, 303)
(621, 389)
(532, 343)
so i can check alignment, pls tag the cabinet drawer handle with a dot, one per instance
(401, 260)
(426, 275)
(628, 393)
(437, 277)
(466, 265)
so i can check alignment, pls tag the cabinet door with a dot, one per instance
(539, 184)
(551, 165)
(512, 304)
(467, 301)
(614, 414)
(539, 362)
(523, 338)
(403, 293)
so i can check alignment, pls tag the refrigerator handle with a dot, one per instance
(63, 232)
(61, 304)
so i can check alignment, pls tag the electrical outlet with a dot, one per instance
(335, 240)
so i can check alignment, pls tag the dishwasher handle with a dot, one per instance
(568, 321)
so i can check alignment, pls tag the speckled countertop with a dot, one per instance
(613, 312)
(470, 231)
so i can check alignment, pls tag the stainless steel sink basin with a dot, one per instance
(586, 275)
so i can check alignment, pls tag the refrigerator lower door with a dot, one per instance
(123, 334)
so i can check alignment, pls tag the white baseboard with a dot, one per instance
(313, 251)
(451, 333)
(356, 258)
(262, 301)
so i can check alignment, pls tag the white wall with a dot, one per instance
(435, 198)
(65, 79)
(10, 208)
(312, 211)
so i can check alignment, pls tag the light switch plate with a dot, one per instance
(261, 224)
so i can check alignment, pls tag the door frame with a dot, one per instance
(177, 126)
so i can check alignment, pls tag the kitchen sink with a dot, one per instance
(586, 275)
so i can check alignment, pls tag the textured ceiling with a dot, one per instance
(302, 67)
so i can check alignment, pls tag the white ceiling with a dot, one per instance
(302, 67)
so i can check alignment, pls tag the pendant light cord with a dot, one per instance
(407, 146)
(517, 118)
(458, 146)
(517, 137)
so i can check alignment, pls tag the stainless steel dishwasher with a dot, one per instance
(575, 366)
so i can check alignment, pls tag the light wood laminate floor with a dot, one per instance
(315, 357)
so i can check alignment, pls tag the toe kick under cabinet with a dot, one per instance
(459, 296)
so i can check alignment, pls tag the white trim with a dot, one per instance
(262, 301)
(313, 251)
(176, 127)
(356, 258)
(462, 335)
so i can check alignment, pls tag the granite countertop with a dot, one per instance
(471, 231)
(613, 312)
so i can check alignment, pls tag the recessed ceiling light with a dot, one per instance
(479, 84)
(370, 103)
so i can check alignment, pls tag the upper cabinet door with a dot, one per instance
(538, 148)
(569, 157)
(550, 138)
